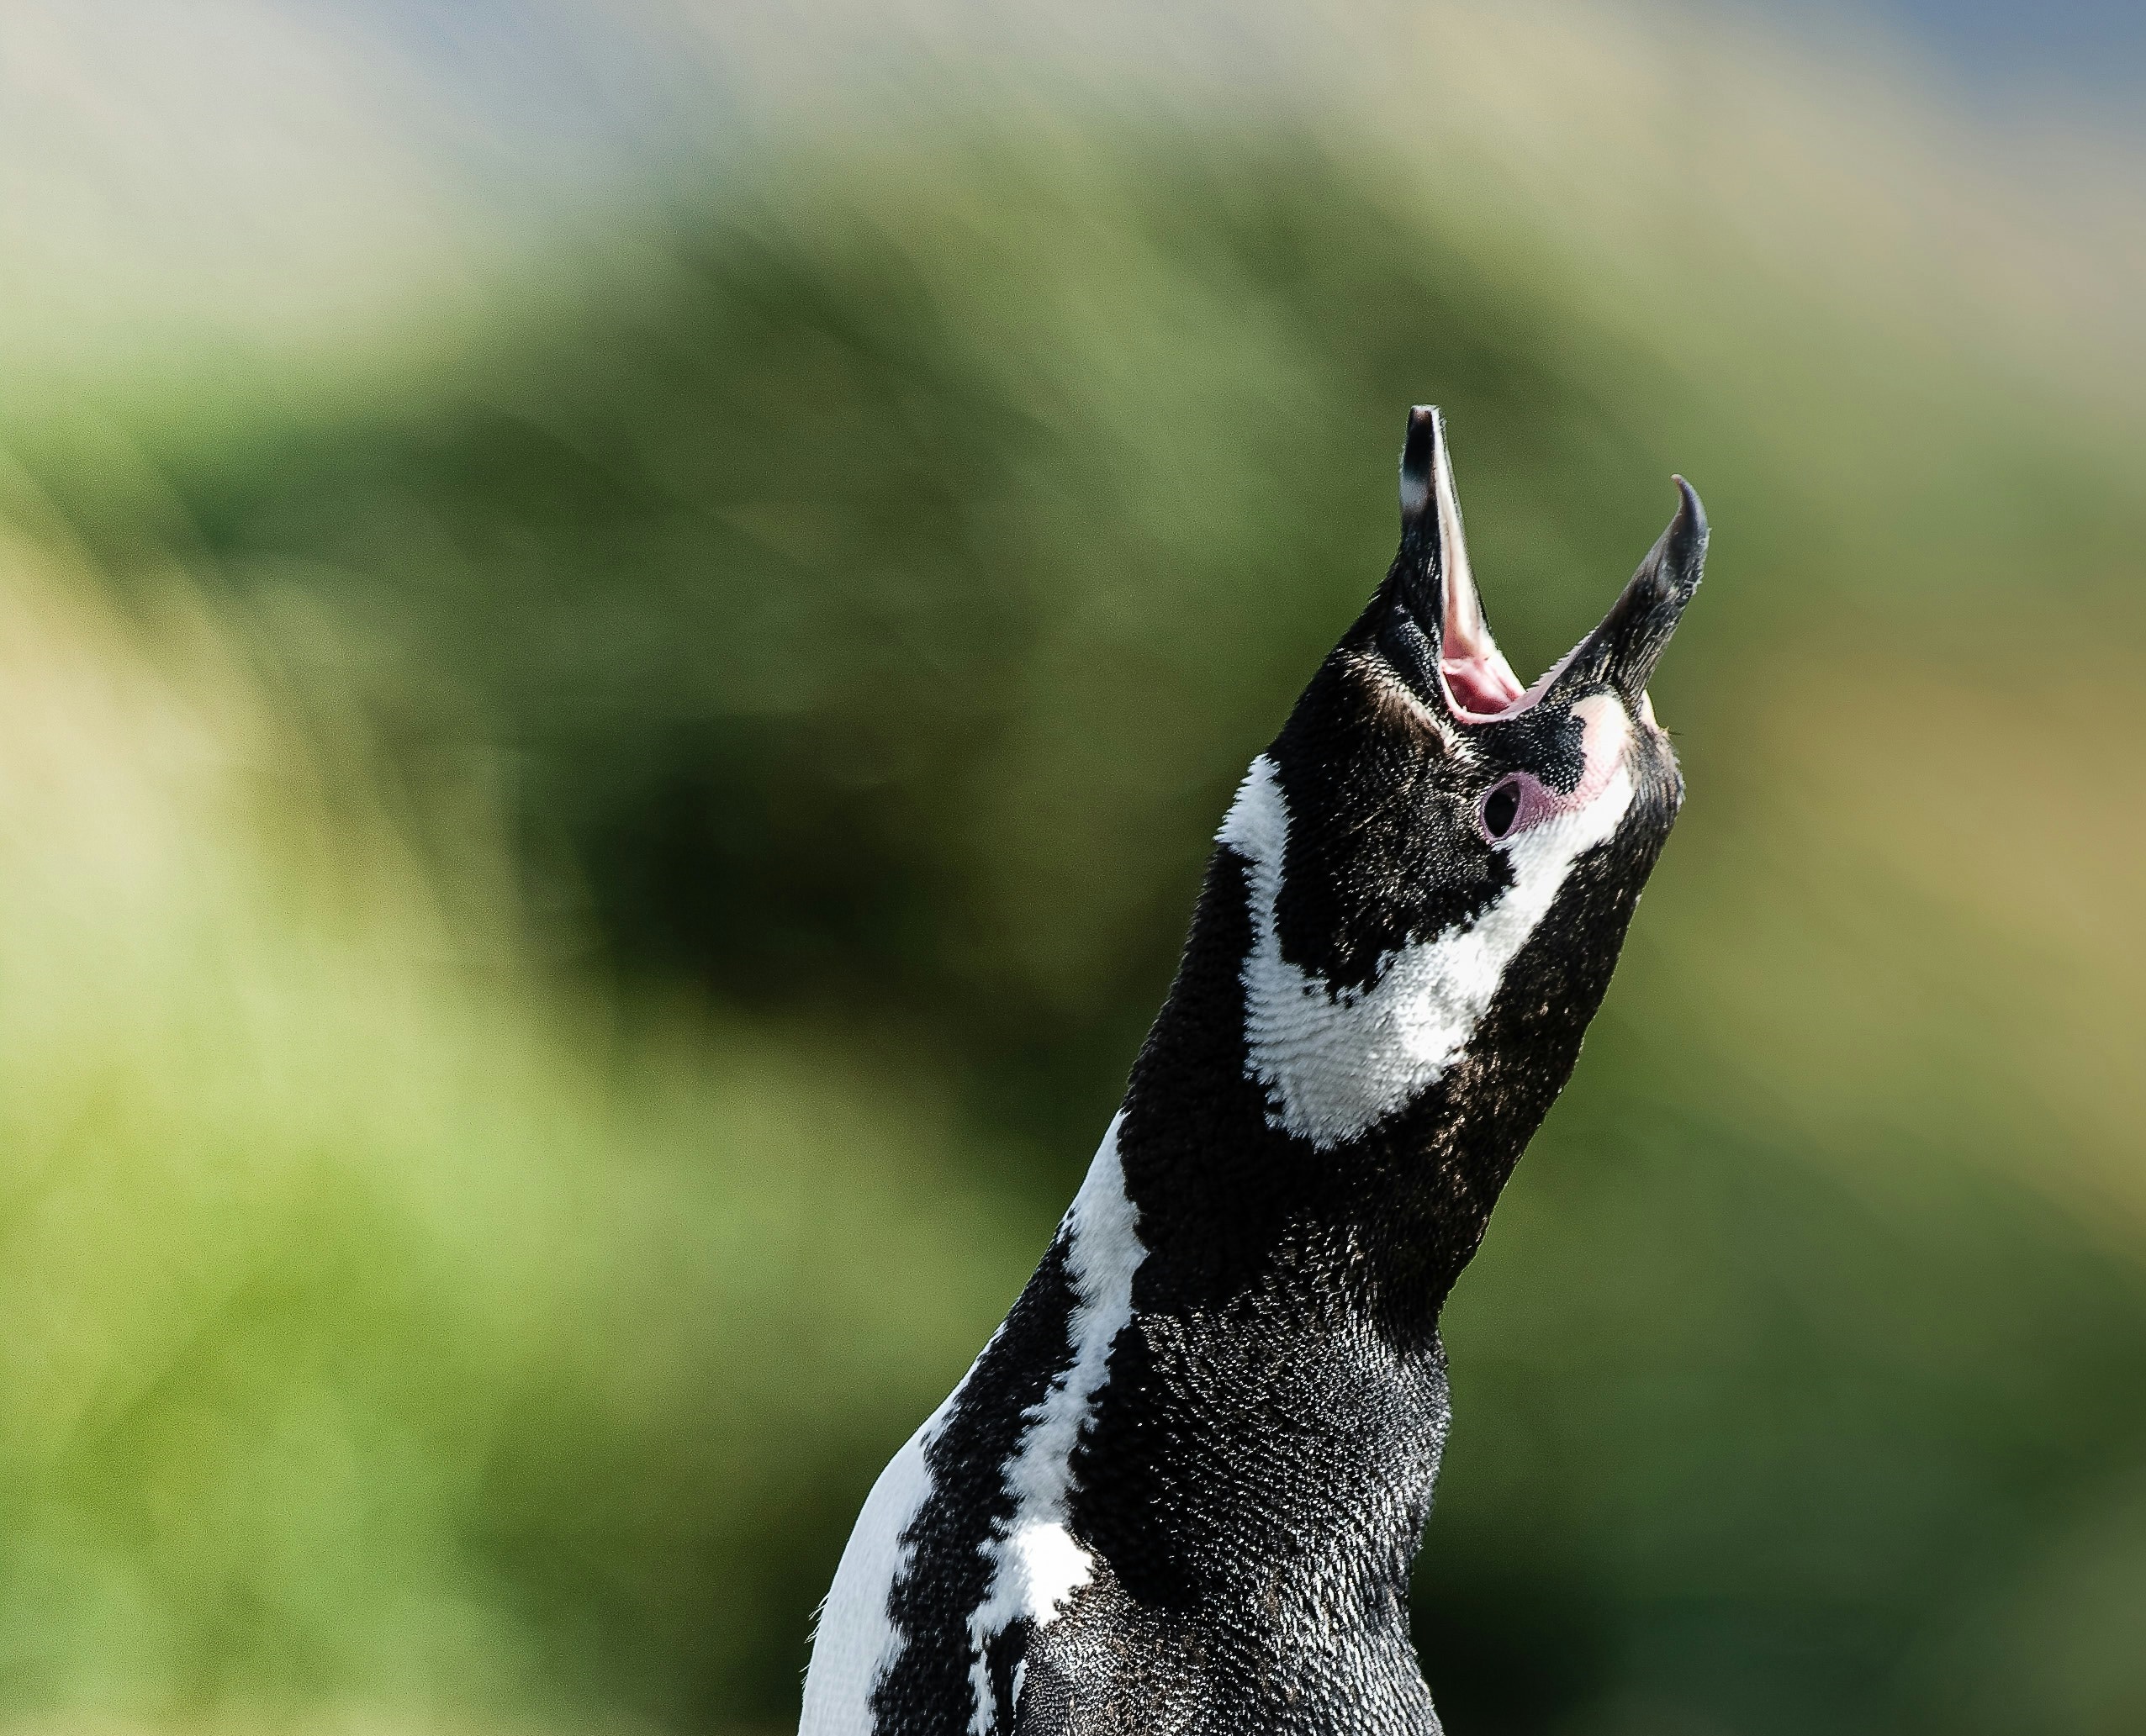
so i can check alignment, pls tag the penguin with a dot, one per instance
(1181, 1488)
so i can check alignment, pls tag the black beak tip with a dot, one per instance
(1683, 544)
(1632, 638)
(1419, 457)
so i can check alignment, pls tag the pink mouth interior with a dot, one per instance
(1480, 684)
(1480, 687)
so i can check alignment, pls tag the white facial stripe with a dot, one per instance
(1336, 1062)
(1037, 1565)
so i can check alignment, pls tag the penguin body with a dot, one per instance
(1181, 1488)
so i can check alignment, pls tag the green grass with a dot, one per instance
(565, 930)
(369, 1314)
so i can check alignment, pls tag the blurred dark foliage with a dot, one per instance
(855, 653)
(867, 594)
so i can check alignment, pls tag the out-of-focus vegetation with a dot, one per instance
(568, 924)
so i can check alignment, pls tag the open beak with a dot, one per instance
(1624, 649)
(1450, 639)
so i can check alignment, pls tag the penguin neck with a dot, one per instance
(1235, 1194)
(1277, 1388)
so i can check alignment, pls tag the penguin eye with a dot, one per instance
(1501, 808)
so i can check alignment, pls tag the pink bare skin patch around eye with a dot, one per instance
(1606, 734)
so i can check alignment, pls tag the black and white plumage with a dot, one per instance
(1181, 1487)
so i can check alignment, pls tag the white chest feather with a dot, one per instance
(855, 1640)
(1035, 1564)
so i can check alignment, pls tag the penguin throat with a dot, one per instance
(1334, 1063)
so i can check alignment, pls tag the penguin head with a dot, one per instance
(1427, 833)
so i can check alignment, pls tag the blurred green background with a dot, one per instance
(617, 664)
